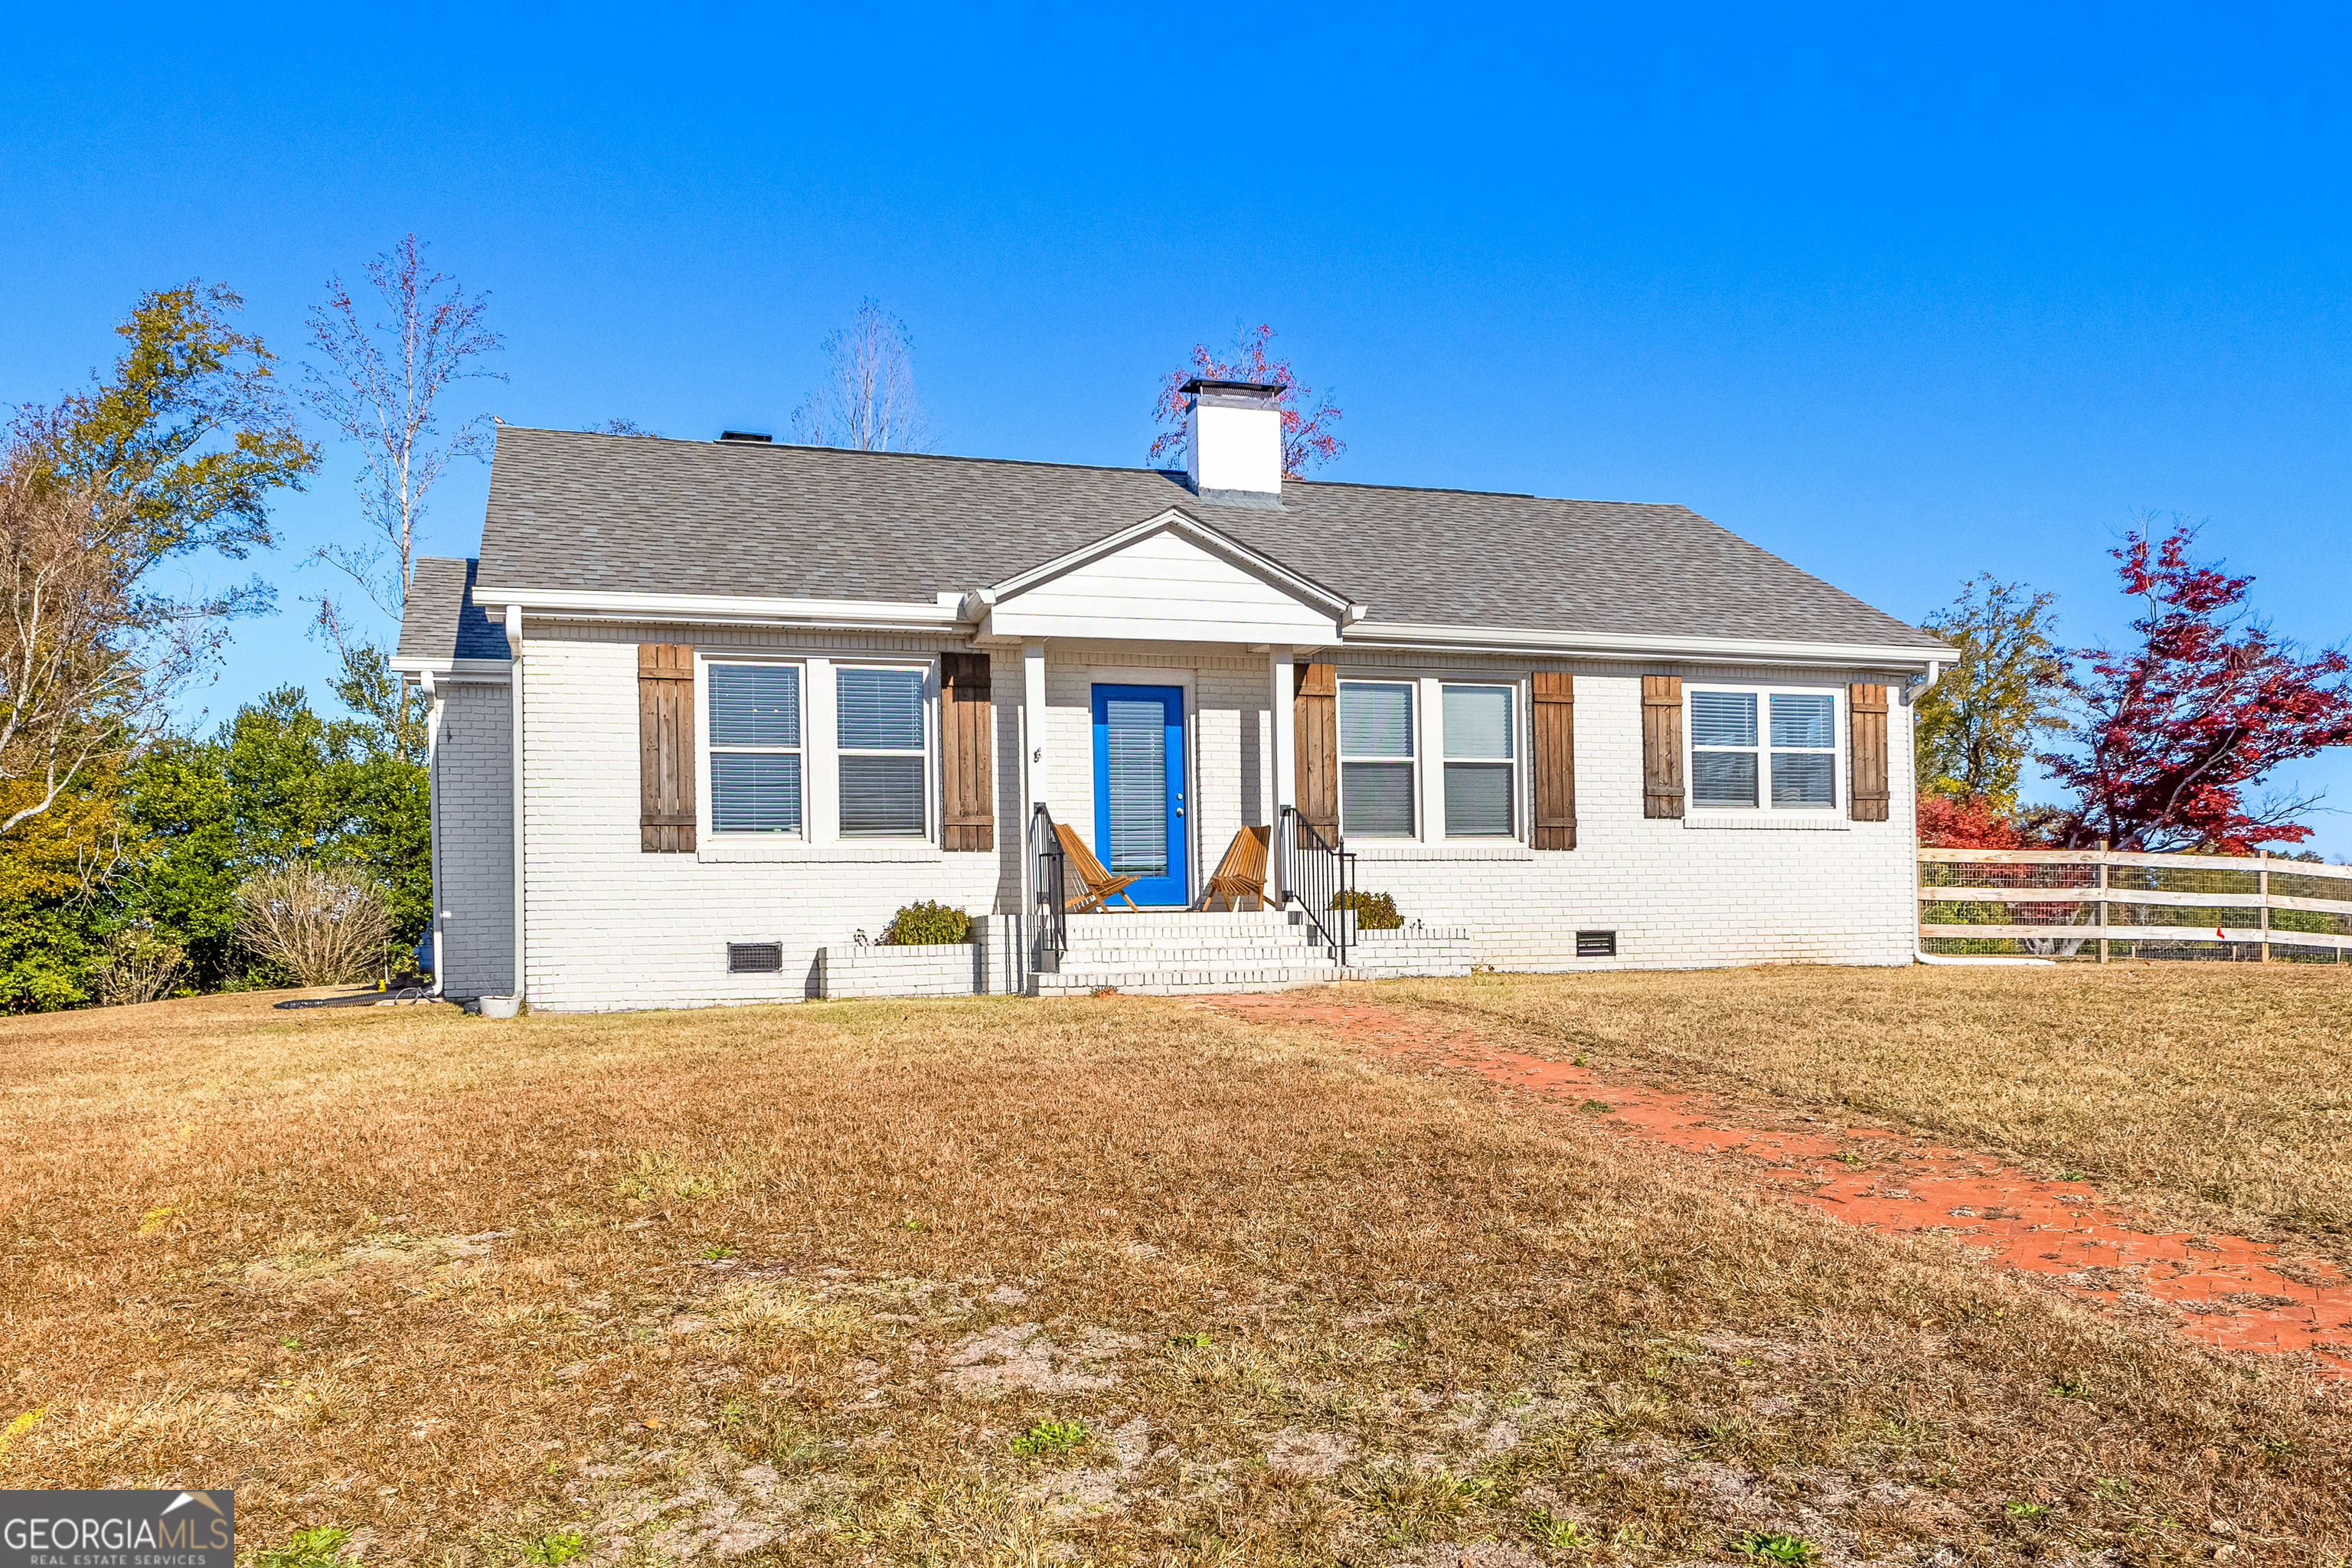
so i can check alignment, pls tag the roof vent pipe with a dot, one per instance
(1234, 432)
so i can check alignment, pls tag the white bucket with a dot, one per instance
(501, 1007)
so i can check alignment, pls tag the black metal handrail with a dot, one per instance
(1050, 876)
(1321, 877)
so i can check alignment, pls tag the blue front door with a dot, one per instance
(1140, 823)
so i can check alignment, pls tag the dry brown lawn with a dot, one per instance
(1018, 1282)
(2217, 1096)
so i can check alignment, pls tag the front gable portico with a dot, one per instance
(1169, 578)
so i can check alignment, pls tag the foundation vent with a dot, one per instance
(764, 957)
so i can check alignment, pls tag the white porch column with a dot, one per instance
(1286, 768)
(1285, 734)
(1033, 759)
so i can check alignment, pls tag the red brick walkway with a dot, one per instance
(2222, 1290)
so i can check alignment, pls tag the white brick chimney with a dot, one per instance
(1235, 433)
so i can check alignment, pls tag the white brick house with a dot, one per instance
(769, 694)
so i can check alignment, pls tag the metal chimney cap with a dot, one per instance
(1248, 391)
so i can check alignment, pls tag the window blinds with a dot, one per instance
(1376, 722)
(880, 735)
(1719, 722)
(755, 705)
(1478, 733)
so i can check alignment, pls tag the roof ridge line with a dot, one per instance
(1170, 474)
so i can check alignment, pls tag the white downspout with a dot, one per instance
(514, 652)
(1956, 961)
(439, 924)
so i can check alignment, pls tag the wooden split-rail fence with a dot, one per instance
(2101, 904)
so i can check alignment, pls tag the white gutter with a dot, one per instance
(719, 609)
(514, 648)
(452, 669)
(1425, 636)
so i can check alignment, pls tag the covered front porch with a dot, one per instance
(1164, 845)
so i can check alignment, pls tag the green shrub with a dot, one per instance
(924, 924)
(1374, 911)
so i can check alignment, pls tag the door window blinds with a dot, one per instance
(1135, 742)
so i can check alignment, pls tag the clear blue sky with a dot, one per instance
(1900, 295)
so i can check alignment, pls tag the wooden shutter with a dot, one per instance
(1315, 717)
(1866, 741)
(1662, 745)
(666, 748)
(1554, 762)
(967, 756)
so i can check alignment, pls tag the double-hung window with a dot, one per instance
(755, 748)
(883, 758)
(1376, 758)
(1478, 765)
(1753, 749)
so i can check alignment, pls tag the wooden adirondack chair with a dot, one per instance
(1101, 886)
(1242, 873)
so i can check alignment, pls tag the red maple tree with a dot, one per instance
(1968, 822)
(1307, 420)
(2207, 703)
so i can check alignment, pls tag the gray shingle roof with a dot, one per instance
(442, 619)
(578, 512)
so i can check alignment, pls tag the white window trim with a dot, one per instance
(819, 838)
(1434, 688)
(1417, 692)
(1830, 818)
(930, 673)
(704, 801)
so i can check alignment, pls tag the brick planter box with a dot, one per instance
(947, 969)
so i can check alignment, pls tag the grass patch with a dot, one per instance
(2214, 1095)
(452, 1285)
(1052, 1437)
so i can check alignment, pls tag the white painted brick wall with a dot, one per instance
(473, 791)
(945, 970)
(1678, 897)
(611, 927)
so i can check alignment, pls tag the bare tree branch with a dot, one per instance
(869, 402)
(378, 385)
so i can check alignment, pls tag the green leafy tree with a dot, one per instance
(277, 784)
(54, 915)
(1977, 725)
(180, 449)
(185, 882)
